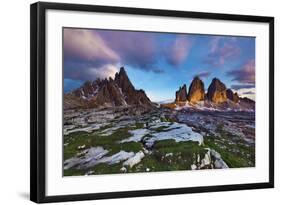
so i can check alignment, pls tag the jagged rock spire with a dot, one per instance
(196, 90)
(181, 94)
(217, 91)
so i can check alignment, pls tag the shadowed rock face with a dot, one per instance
(131, 95)
(109, 93)
(247, 100)
(232, 96)
(181, 94)
(123, 82)
(88, 89)
(217, 91)
(196, 91)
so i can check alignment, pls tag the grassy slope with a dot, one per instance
(184, 153)
(232, 148)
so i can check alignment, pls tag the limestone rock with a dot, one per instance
(196, 91)
(217, 91)
(232, 96)
(107, 93)
(181, 94)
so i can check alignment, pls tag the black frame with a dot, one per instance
(38, 97)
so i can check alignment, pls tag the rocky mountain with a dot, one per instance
(217, 97)
(217, 91)
(181, 94)
(107, 93)
(232, 96)
(246, 100)
(196, 91)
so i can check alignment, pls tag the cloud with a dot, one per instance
(178, 50)
(84, 71)
(136, 49)
(222, 49)
(105, 71)
(203, 74)
(249, 93)
(87, 46)
(246, 92)
(241, 86)
(246, 74)
(89, 54)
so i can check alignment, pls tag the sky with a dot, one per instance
(159, 63)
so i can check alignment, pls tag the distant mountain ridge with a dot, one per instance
(218, 97)
(107, 93)
(121, 92)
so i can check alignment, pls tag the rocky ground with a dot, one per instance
(122, 140)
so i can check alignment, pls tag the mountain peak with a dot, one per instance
(122, 70)
(232, 96)
(217, 91)
(123, 81)
(181, 94)
(111, 92)
(196, 90)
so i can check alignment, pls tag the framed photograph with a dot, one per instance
(129, 102)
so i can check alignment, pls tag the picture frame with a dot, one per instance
(39, 111)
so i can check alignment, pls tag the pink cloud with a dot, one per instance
(84, 45)
(246, 74)
(178, 51)
(135, 48)
(222, 49)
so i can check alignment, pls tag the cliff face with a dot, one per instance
(108, 93)
(232, 96)
(181, 94)
(217, 91)
(196, 91)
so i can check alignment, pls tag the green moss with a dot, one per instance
(183, 155)
(111, 142)
(107, 169)
(139, 125)
(72, 142)
(127, 146)
(233, 149)
(73, 172)
(166, 119)
(235, 154)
